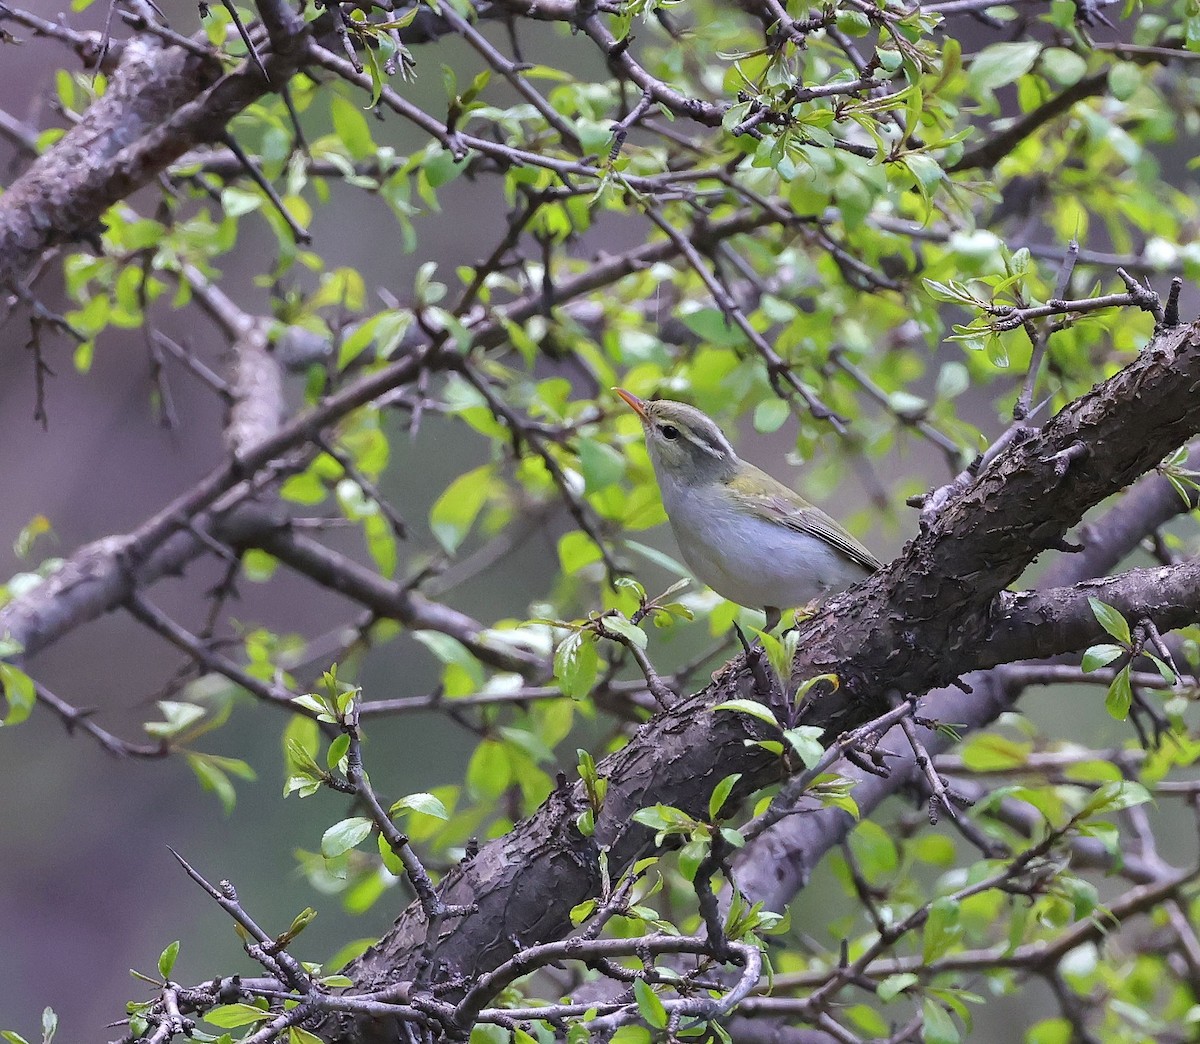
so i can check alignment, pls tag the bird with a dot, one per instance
(744, 534)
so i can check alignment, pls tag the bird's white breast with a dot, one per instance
(751, 560)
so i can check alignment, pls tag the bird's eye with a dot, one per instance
(669, 432)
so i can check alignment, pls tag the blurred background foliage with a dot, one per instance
(847, 331)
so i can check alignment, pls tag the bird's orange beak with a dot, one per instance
(633, 402)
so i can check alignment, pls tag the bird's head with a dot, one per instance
(684, 444)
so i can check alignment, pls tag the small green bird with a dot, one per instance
(748, 537)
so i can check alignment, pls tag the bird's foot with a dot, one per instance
(805, 612)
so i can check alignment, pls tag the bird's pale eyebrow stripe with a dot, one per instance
(711, 447)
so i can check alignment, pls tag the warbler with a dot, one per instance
(747, 536)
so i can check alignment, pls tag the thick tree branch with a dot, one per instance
(1034, 624)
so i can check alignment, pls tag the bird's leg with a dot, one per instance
(773, 616)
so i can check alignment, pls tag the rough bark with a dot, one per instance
(161, 102)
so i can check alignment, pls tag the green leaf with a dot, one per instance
(485, 1033)
(939, 1026)
(577, 550)
(228, 1016)
(942, 928)
(712, 327)
(301, 921)
(853, 23)
(351, 127)
(37, 526)
(691, 855)
(985, 752)
(650, 1004)
(1050, 1031)
(442, 168)
(455, 511)
(576, 664)
(340, 288)
(621, 626)
(1114, 797)
(1000, 64)
(1083, 895)
(1120, 695)
(258, 566)
(638, 590)
(312, 702)
(665, 819)
(600, 464)
(1164, 669)
(19, 694)
(527, 741)
(926, 172)
(781, 652)
(179, 716)
(305, 786)
(392, 862)
(166, 959)
(424, 803)
(751, 707)
(733, 838)
(582, 911)
(875, 850)
(381, 543)
(489, 772)
(771, 415)
(385, 330)
(894, 985)
(586, 766)
(337, 750)
(306, 488)
(299, 756)
(342, 837)
(211, 774)
(867, 1019)
(721, 794)
(1111, 620)
(1064, 66)
(805, 740)
(1100, 656)
(1123, 79)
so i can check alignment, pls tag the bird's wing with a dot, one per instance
(774, 502)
